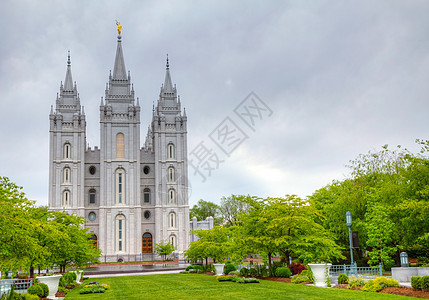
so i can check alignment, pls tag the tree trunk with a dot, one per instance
(269, 264)
(32, 272)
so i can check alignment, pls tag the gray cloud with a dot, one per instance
(341, 77)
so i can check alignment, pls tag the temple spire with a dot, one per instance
(68, 82)
(119, 71)
(168, 86)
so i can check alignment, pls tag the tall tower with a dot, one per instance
(169, 132)
(67, 146)
(119, 164)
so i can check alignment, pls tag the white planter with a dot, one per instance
(319, 273)
(52, 282)
(78, 275)
(219, 268)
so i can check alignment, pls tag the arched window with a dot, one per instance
(92, 193)
(171, 174)
(146, 195)
(172, 220)
(94, 241)
(67, 151)
(66, 175)
(120, 233)
(120, 186)
(171, 153)
(120, 146)
(66, 198)
(147, 243)
(173, 240)
(171, 196)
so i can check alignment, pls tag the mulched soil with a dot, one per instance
(281, 279)
(60, 294)
(406, 291)
(403, 291)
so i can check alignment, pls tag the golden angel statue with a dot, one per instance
(119, 27)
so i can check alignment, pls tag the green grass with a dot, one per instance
(196, 286)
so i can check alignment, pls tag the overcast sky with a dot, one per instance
(335, 79)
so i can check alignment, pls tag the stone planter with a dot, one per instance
(404, 274)
(78, 275)
(319, 273)
(219, 268)
(52, 283)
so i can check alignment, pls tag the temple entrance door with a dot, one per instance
(147, 243)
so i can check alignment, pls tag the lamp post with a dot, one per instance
(404, 259)
(349, 225)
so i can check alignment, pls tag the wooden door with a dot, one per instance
(147, 243)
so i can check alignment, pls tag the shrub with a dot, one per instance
(253, 272)
(45, 289)
(424, 283)
(194, 268)
(244, 272)
(234, 273)
(304, 276)
(355, 282)
(283, 272)
(379, 283)
(416, 282)
(27, 296)
(224, 278)
(296, 268)
(35, 290)
(343, 278)
(274, 267)
(68, 279)
(208, 268)
(229, 267)
(63, 289)
(92, 288)
(246, 280)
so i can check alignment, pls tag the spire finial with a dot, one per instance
(68, 59)
(168, 65)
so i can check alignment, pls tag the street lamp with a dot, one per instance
(404, 259)
(349, 225)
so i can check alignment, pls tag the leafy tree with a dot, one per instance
(380, 229)
(164, 248)
(287, 226)
(231, 207)
(75, 246)
(214, 243)
(16, 240)
(384, 188)
(204, 209)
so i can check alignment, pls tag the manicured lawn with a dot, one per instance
(195, 286)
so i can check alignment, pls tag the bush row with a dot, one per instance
(420, 282)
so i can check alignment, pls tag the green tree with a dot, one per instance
(214, 243)
(231, 207)
(16, 240)
(204, 209)
(75, 247)
(286, 226)
(164, 248)
(390, 186)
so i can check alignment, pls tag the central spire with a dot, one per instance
(119, 72)
(68, 82)
(168, 86)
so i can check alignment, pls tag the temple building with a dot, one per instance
(131, 196)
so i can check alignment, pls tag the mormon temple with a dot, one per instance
(132, 197)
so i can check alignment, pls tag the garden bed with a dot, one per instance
(402, 291)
